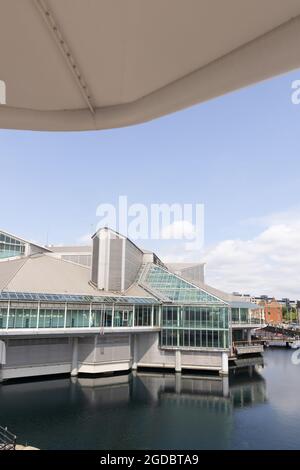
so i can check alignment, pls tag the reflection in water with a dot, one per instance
(140, 410)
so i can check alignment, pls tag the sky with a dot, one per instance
(238, 155)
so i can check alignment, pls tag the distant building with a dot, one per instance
(298, 311)
(272, 311)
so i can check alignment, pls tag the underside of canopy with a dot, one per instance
(100, 64)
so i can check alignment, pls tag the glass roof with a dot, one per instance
(175, 288)
(76, 298)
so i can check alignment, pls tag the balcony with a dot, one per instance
(241, 348)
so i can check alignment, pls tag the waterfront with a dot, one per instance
(259, 409)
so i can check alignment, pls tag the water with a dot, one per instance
(259, 410)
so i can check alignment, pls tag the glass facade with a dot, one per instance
(143, 316)
(195, 339)
(51, 317)
(195, 327)
(72, 315)
(123, 317)
(10, 247)
(194, 318)
(245, 316)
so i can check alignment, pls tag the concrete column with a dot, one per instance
(74, 368)
(65, 317)
(134, 351)
(178, 361)
(249, 336)
(225, 367)
(38, 315)
(95, 348)
(7, 318)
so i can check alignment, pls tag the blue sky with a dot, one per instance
(238, 154)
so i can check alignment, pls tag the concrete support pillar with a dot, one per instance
(249, 335)
(95, 349)
(74, 368)
(134, 351)
(178, 361)
(225, 366)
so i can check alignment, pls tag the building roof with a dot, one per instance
(24, 240)
(43, 297)
(241, 304)
(180, 266)
(229, 298)
(78, 249)
(170, 287)
(137, 290)
(118, 63)
(45, 273)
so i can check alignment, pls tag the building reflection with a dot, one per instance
(244, 387)
(138, 410)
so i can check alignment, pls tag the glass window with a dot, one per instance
(143, 315)
(123, 317)
(3, 317)
(244, 315)
(235, 315)
(196, 327)
(10, 247)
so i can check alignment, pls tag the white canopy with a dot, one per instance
(99, 64)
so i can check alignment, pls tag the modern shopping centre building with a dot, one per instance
(113, 307)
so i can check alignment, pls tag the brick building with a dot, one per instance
(272, 311)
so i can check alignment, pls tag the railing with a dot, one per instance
(286, 332)
(248, 321)
(7, 439)
(247, 347)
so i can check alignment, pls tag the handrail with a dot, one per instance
(7, 439)
(256, 342)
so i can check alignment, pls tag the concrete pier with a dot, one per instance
(225, 366)
(74, 368)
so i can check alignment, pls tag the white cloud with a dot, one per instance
(275, 218)
(267, 264)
